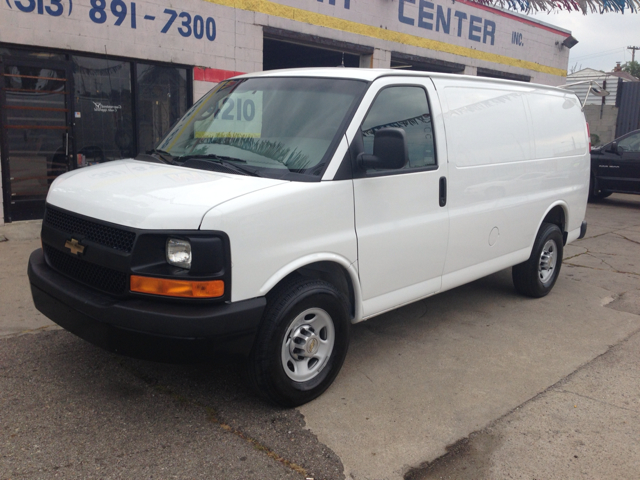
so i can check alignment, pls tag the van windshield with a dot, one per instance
(271, 127)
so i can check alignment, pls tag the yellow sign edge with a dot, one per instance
(291, 13)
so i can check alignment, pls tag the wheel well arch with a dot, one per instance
(558, 215)
(344, 278)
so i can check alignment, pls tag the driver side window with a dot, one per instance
(630, 144)
(406, 108)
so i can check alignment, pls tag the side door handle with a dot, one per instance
(443, 191)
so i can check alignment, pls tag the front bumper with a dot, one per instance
(151, 329)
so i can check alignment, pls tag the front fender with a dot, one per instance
(306, 260)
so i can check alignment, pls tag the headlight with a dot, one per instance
(179, 253)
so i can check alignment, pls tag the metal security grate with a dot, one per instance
(104, 235)
(96, 276)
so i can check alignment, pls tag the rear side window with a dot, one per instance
(406, 108)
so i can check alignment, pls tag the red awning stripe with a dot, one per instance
(213, 75)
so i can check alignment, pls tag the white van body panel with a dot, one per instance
(509, 165)
(573, 235)
(148, 195)
(507, 162)
(274, 233)
(497, 200)
(402, 231)
(300, 263)
(434, 181)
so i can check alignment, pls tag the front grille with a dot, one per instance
(108, 236)
(96, 276)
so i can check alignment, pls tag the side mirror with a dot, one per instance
(389, 151)
(614, 148)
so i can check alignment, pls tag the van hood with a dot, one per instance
(148, 195)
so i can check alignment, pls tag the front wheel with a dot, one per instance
(302, 342)
(537, 276)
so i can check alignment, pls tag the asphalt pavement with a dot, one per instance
(477, 382)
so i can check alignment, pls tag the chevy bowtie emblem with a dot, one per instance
(74, 246)
(312, 346)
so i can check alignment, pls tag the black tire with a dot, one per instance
(595, 193)
(537, 276)
(283, 354)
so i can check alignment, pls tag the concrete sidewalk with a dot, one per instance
(18, 315)
(587, 425)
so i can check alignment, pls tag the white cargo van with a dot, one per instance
(287, 205)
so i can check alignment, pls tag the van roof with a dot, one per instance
(371, 74)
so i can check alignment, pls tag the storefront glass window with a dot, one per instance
(162, 100)
(61, 111)
(103, 110)
(35, 129)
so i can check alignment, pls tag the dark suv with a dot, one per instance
(615, 167)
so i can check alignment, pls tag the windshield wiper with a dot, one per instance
(228, 162)
(165, 156)
(213, 156)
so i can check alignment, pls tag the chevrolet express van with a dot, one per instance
(287, 205)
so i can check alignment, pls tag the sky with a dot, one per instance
(603, 38)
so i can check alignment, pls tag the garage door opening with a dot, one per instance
(422, 64)
(279, 54)
(486, 72)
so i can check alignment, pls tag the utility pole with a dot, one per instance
(633, 52)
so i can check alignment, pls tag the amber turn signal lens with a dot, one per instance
(177, 288)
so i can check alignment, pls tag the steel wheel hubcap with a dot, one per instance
(308, 344)
(548, 259)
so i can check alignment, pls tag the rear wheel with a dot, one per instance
(302, 342)
(537, 276)
(594, 192)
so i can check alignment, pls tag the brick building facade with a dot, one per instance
(87, 81)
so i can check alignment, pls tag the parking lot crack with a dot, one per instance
(574, 256)
(40, 471)
(608, 264)
(602, 402)
(599, 235)
(626, 238)
(212, 416)
(603, 269)
(44, 328)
